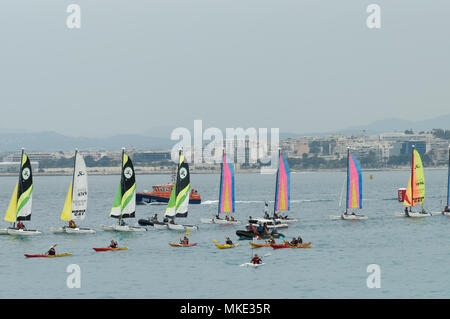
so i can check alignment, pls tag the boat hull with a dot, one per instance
(244, 234)
(110, 249)
(59, 230)
(182, 245)
(287, 245)
(181, 227)
(21, 232)
(255, 245)
(47, 256)
(226, 246)
(125, 228)
(349, 217)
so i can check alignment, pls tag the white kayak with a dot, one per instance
(349, 217)
(182, 227)
(251, 265)
(21, 232)
(69, 230)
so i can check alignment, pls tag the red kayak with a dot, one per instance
(182, 245)
(304, 245)
(109, 248)
(48, 256)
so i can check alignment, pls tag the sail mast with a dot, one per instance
(448, 181)
(73, 174)
(220, 183)
(276, 183)
(348, 166)
(122, 184)
(412, 177)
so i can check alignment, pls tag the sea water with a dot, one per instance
(412, 254)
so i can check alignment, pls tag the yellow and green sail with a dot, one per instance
(19, 207)
(124, 205)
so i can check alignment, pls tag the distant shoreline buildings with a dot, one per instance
(386, 150)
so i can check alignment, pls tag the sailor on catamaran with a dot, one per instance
(72, 224)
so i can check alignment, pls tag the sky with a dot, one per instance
(146, 65)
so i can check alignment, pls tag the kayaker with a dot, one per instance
(228, 241)
(185, 241)
(299, 240)
(72, 224)
(113, 244)
(271, 241)
(52, 250)
(294, 241)
(256, 259)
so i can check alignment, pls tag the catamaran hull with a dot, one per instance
(129, 228)
(181, 227)
(59, 230)
(20, 232)
(349, 217)
(413, 215)
(160, 226)
(3, 232)
(219, 221)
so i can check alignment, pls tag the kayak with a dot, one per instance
(182, 245)
(245, 234)
(251, 265)
(287, 245)
(226, 246)
(109, 248)
(255, 245)
(48, 256)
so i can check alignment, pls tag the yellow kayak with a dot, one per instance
(255, 245)
(226, 246)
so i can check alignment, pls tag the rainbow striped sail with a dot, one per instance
(416, 182)
(448, 183)
(354, 183)
(226, 192)
(282, 186)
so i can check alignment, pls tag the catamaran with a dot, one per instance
(179, 198)
(19, 208)
(354, 189)
(282, 202)
(415, 191)
(125, 201)
(226, 194)
(446, 210)
(76, 200)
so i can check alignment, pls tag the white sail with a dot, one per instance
(79, 188)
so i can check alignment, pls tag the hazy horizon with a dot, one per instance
(300, 66)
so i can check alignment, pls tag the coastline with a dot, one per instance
(157, 171)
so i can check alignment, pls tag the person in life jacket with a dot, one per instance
(353, 214)
(446, 210)
(20, 225)
(227, 218)
(113, 244)
(299, 240)
(294, 241)
(52, 250)
(228, 241)
(171, 222)
(72, 224)
(266, 215)
(155, 218)
(217, 216)
(232, 218)
(184, 241)
(271, 241)
(256, 259)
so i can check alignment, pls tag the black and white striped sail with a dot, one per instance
(125, 201)
(179, 198)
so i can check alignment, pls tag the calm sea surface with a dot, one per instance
(413, 254)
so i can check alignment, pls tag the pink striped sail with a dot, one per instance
(354, 183)
(226, 192)
(283, 188)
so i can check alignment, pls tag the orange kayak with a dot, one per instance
(255, 245)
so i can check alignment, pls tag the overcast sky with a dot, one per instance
(299, 65)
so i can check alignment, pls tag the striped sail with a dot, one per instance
(415, 192)
(354, 183)
(124, 205)
(283, 185)
(448, 182)
(226, 191)
(19, 207)
(179, 198)
(76, 200)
